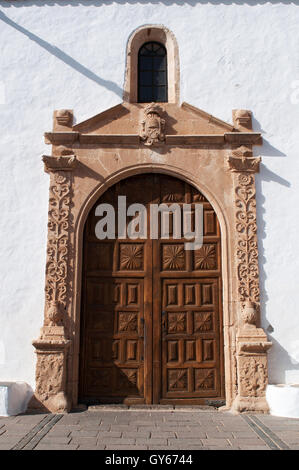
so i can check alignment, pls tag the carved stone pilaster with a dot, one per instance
(247, 248)
(251, 341)
(53, 344)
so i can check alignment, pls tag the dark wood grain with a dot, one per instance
(151, 320)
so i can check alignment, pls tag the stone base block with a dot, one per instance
(250, 405)
(14, 398)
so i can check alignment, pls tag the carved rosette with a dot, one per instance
(153, 126)
(251, 341)
(52, 345)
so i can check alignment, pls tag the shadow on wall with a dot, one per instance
(99, 3)
(67, 59)
(280, 360)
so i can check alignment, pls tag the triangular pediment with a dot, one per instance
(125, 119)
(151, 124)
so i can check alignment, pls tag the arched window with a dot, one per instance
(152, 73)
(136, 87)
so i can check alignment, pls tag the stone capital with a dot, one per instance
(242, 161)
(60, 163)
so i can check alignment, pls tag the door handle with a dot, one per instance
(164, 321)
(142, 327)
(144, 339)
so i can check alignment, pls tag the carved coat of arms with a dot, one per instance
(153, 125)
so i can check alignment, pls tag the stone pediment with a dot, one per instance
(153, 124)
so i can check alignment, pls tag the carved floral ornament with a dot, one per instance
(253, 377)
(58, 246)
(247, 249)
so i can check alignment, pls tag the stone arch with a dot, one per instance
(140, 36)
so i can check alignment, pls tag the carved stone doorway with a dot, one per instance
(151, 319)
(202, 151)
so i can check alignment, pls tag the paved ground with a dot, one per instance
(134, 429)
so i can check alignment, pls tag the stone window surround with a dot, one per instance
(140, 36)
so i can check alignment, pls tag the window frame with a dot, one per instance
(154, 87)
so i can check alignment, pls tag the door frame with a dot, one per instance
(225, 174)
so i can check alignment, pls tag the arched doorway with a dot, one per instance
(151, 313)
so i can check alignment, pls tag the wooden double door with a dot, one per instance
(151, 319)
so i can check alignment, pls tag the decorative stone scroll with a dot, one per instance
(52, 345)
(247, 250)
(251, 340)
(153, 125)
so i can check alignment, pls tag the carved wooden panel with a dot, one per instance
(151, 310)
(191, 338)
(112, 333)
(188, 343)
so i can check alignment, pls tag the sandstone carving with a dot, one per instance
(194, 151)
(52, 346)
(54, 314)
(242, 160)
(247, 250)
(58, 242)
(51, 375)
(64, 117)
(62, 163)
(249, 313)
(242, 118)
(252, 342)
(153, 125)
(253, 376)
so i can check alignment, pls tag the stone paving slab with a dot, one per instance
(153, 428)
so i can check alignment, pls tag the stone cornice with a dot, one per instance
(254, 347)
(209, 117)
(234, 138)
(54, 344)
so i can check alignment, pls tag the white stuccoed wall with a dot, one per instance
(72, 55)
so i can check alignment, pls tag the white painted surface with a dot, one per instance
(283, 400)
(72, 55)
(14, 398)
